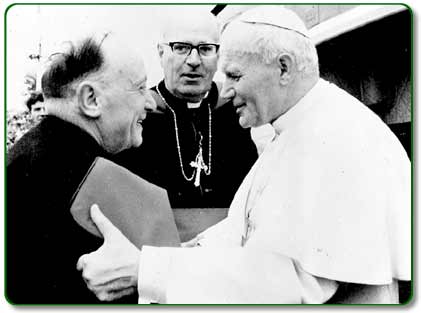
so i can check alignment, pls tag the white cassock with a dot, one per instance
(328, 201)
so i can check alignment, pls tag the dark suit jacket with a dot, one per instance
(44, 168)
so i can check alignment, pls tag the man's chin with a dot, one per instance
(194, 93)
(244, 123)
(137, 142)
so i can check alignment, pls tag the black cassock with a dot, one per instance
(44, 168)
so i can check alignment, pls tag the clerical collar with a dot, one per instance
(179, 104)
(198, 163)
(195, 105)
(295, 114)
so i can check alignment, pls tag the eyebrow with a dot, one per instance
(229, 67)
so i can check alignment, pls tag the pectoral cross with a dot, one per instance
(199, 164)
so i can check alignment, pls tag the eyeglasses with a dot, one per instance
(184, 48)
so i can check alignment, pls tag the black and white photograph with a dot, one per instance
(208, 154)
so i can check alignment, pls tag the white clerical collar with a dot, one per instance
(195, 105)
(295, 114)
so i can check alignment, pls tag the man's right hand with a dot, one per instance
(111, 272)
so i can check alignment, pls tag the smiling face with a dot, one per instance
(253, 87)
(258, 82)
(125, 101)
(189, 77)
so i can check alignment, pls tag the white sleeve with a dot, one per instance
(226, 276)
(315, 290)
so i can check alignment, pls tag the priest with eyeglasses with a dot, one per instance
(192, 144)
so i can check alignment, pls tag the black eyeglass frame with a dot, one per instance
(197, 47)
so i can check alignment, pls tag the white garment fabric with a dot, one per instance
(262, 136)
(328, 200)
(226, 275)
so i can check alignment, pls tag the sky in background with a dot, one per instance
(41, 29)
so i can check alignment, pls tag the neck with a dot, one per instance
(298, 90)
(185, 97)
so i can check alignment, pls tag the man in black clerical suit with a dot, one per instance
(96, 98)
(193, 144)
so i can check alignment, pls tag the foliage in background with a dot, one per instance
(18, 124)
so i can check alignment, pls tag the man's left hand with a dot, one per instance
(111, 272)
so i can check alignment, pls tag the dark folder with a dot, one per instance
(138, 208)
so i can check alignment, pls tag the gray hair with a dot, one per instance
(266, 42)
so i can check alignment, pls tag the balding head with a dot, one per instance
(99, 84)
(89, 57)
(189, 76)
(189, 23)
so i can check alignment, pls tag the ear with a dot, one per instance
(87, 95)
(285, 63)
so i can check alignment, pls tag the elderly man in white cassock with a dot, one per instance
(327, 203)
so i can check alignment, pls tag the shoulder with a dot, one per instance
(26, 144)
(38, 143)
(25, 155)
(160, 105)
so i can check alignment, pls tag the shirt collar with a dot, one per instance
(179, 104)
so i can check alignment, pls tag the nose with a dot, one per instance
(193, 59)
(150, 104)
(227, 91)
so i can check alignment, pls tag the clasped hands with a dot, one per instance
(111, 272)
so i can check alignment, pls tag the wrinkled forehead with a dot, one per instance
(193, 28)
